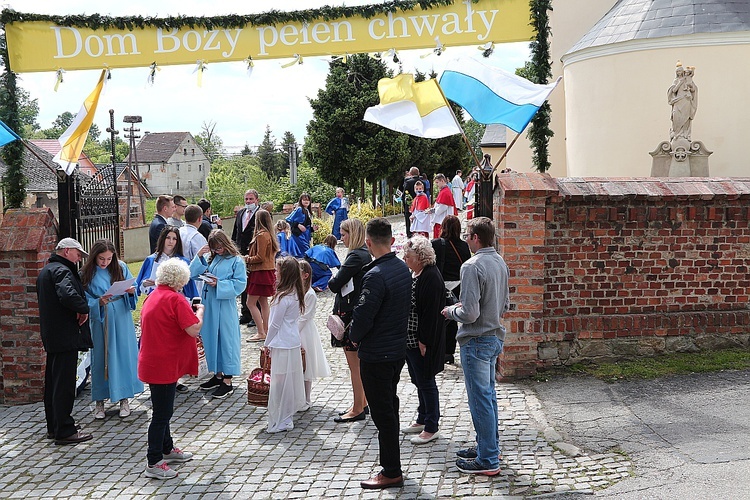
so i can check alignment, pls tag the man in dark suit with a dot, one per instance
(164, 210)
(242, 235)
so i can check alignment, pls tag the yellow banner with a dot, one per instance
(39, 46)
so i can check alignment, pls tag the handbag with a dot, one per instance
(336, 325)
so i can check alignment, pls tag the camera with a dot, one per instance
(194, 302)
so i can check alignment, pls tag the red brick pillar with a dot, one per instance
(27, 238)
(520, 221)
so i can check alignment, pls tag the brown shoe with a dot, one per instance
(78, 437)
(380, 481)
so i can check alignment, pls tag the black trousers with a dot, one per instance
(159, 436)
(245, 312)
(380, 381)
(60, 393)
(407, 214)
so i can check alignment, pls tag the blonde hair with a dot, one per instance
(306, 268)
(174, 273)
(422, 248)
(356, 231)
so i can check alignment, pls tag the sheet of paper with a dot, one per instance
(348, 288)
(119, 287)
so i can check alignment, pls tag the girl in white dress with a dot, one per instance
(316, 364)
(287, 392)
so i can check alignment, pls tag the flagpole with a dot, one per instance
(463, 134)
(505, 153)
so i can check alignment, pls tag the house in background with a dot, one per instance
(52, 146)
(39, 170)
(137, 191)
(494, 143)
(171, 163)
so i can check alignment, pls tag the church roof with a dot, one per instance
(644, 19)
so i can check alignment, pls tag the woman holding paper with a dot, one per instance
(225, 280)
(168, 245)
(347, 285)
(114, 359)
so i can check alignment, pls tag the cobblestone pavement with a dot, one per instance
(236, 458)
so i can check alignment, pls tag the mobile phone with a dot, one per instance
(194, 302)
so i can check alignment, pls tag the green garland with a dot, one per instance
(14, 182)
(270, 18)
(540, 72)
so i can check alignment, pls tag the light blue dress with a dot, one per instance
(148, 272)
(121, 379)
(221, 327)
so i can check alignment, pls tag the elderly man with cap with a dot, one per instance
(63, 319)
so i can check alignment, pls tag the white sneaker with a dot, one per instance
(177, 456)
(423, 440)
(124, 408)
(160, 470)
(99, 410)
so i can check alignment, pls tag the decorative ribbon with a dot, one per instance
(297, 60)
(393, 54)
(200, 67)
(250, 65)
(488, 49)
(59, 74)
(342, 58)
(438, 50)
(153, 68)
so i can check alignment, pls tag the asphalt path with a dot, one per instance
(688, 436)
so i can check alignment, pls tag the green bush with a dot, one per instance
(323, 227)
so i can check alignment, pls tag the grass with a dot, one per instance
(668, 364)
(135, 267)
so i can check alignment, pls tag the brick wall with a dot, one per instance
(27, 238)
(612, 268)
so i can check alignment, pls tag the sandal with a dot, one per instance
(257, 338)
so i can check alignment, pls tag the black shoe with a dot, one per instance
(182, 388)
(355, 418)
(245, 320)
(210, 384)
(367, 411)
(449, 360)
(223, 391)
(467, 454)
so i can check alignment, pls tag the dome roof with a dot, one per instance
(643, 19)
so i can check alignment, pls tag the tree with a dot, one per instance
(121, 148)
(28, 112)
(246, 151)
(288, 142)
(209, 141)
(270, 159)
(342, 147)
(230, 178)
(14, 182)
(61, 124)
(474, 132)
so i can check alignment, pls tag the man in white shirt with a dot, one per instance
(192, 240)
(457, 186)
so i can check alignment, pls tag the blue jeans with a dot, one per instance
(428, 411)
(478, 359)
(159, 438)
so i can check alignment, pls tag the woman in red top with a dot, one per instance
(168, 351)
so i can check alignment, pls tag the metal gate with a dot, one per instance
(93, 207)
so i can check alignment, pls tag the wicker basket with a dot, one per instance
(257, 387)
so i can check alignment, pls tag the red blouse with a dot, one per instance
(167, 351)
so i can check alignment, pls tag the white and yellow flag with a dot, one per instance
(73, 139)
(413, 108)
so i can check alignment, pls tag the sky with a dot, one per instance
(240, 105)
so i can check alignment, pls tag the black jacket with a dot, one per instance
(154, 231)
(449, 261)
(242, 238)
(381, 316)
(430, 296)
(61, 296)
(352, 268)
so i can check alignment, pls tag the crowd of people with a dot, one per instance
(394, 312)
